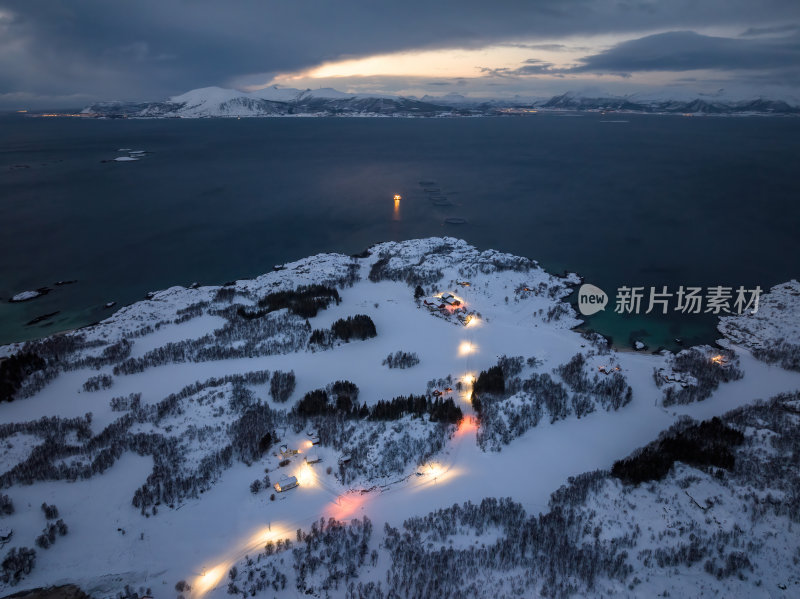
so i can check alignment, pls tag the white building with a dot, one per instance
(286, 484)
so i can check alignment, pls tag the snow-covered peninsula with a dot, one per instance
(418, 420)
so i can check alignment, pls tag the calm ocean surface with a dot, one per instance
(651, 201)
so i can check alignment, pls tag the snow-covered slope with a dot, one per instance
(154, 433)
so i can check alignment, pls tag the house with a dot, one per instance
(312, 458)
(314, 440)
(286, 484)
(344, 459)
(285, 452)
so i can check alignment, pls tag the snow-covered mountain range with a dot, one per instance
(280, 101)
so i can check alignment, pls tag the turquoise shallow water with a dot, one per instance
(652, 201)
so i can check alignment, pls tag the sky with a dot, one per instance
(68, 53)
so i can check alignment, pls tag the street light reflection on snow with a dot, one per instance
(209, 579)
(435, 474)
(305, 476)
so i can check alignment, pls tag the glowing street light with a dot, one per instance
(466, 348)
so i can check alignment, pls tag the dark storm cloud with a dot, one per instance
(531, 66)
(151, 48)
(756, 31)
(675, 51)
(688, 51)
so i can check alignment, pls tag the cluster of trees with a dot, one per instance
(39, 362)
(38, 465)
(781, 352)
(415, 274)
(189, 312)
(377, 448)
(16, 564)
(339, 550)
(489, 382)
(612, 390)
(778, 477)
(256, 577)
(122, 404)
(696, 362)
(100, 381)
(14, 370)
(225, 294)
(258, 484)
(305, 301)
(275, 333)
(282, 385)
(171, 404)
(709, 443)
(111, 354)
(253, 433)
(437, 409)
(48, 536)
(548, 550)
(341, 399)
(559, 311)
(6, 505)
(508, 406)
(502, 418)
(359, 326)
(401, 359)
(50, 511)
(70, 451)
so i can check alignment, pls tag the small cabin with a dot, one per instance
(312, 458)
(286, 484)
(344, 459)
(314, 440)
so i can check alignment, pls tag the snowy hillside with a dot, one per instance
(344, 426)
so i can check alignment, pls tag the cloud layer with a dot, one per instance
(148, 49)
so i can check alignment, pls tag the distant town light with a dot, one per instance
(397, 197)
